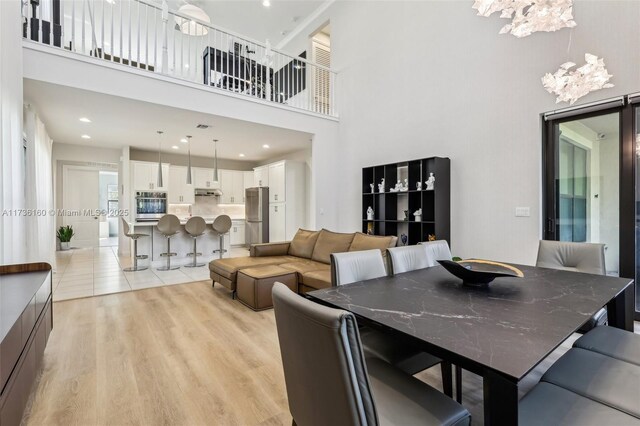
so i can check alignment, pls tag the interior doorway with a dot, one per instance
(321, 55)
(90, 205)
(108, 228)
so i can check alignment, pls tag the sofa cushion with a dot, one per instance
(317, 279)
(303, 243)
(230, 266)
(369, 242)
(330, 242)
(303, 266)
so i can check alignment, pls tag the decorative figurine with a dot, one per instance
(372, 188)
(406, 214)
(419, 186)
(405, 187)
(370, 228)
(404, 239)
(381, 186)
(431, 237)
(369, 213)
(430, 182)
(418, 215)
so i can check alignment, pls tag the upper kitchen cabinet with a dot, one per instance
(277, 184)
(203, 178)
(145, 176)
(232, 186)
(179, 190)
(248, 180)
(261, 176)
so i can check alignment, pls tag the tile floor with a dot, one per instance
(96, 271)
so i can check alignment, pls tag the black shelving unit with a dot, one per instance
(389, 206)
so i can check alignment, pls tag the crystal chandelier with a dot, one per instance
(570, 85)
(529, 16)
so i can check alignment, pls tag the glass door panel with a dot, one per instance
(588, 183)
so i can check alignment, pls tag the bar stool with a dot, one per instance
(221, 225)
(168, 225)
(195, 227)
(134, 236)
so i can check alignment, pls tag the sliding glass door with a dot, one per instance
(591, 189)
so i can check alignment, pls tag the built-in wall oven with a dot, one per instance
(150, 206)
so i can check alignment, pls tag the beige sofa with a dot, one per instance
(308, 255)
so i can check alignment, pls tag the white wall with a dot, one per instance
(441, 81)
(12, 178)
(610, 201)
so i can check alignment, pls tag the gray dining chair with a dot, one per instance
(168, 226)
(354, 266)
(576, 257)
(331, 381)
(437, 250)
(407, 258)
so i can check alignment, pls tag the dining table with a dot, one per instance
(499, 331)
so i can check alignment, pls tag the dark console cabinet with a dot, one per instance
(26, 320)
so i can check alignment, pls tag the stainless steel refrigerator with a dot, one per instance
(257, 216)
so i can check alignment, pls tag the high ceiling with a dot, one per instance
(117, 122)
(250, 18)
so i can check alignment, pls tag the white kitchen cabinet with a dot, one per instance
(145, 176)
(237, 232)
(232, 186)
(261, 176)
(179, 191)
(277, 185)
(248, 179)
(226, 185)
(277, 222)
(203, 178)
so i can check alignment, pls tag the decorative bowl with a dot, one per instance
(475, 272)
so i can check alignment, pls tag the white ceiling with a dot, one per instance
(607, 125)
(250, 18)
(117, 122)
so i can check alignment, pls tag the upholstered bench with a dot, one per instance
(254, 285)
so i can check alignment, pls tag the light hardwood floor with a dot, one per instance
(184, 354)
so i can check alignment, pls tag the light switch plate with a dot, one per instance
(523, 212)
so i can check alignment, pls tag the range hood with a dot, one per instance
(208, 192)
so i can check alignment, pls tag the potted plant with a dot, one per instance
(64, 234)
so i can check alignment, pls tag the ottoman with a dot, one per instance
(254, 285)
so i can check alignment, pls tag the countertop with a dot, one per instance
(183, 221)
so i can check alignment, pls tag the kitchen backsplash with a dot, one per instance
(207, 207)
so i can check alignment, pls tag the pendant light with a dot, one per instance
(189, 163)
(215, 160)
(159, 181)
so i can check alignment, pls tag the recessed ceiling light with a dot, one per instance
(240, 155)
(183, 140)
(175, 147)
(265, 146)
(186, 66)
(85, 120)
(266, 3)
(85, 137)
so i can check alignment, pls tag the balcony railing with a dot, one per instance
(151, 37)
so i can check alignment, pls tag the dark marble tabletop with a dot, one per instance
(509, 326)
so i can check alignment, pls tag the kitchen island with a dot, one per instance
(181, 243)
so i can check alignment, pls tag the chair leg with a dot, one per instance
(447, 379)
(459, 384)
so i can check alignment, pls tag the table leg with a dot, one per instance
(447, 381)
(500, 400)
(620, 309)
